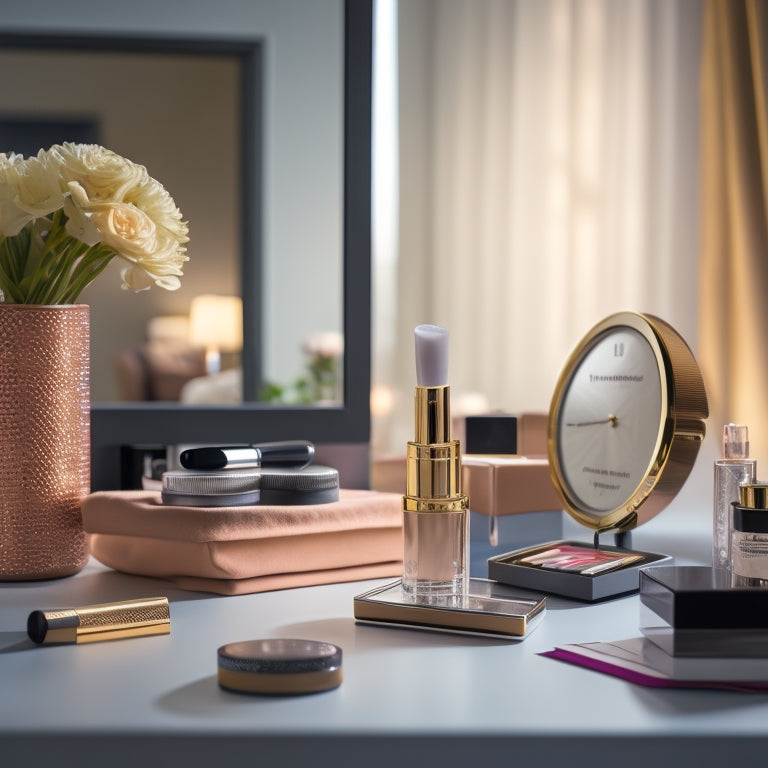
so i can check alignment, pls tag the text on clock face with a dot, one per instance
(608, 421)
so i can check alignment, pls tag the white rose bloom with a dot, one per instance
(10, 166)
(103, 174)
(12, 218)
(155, 254)
(39, 190)
(109, 203)
(161, 267)
(126, 229)
(153, 198)
(325, 343)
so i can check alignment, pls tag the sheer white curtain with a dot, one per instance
(548, 166)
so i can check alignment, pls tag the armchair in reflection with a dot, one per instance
(175, 355)
(159, 368)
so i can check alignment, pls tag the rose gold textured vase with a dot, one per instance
(44, 439)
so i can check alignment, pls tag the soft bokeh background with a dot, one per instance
(542, 164)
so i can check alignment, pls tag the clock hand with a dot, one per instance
(612, 420)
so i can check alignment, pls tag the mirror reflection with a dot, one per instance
(257, 320)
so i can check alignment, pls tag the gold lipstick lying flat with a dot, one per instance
(94, 623)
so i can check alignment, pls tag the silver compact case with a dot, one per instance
(183, 488)
(297, 487)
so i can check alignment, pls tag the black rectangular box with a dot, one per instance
(694, 611)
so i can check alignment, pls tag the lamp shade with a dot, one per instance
(216, 322)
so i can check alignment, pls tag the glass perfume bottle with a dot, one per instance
(732, 471)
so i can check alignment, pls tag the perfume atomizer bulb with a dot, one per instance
(735, 441)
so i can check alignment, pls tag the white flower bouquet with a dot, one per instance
(67, 212)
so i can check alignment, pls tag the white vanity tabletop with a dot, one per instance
(409, 696)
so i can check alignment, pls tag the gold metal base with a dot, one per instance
(280, 684)
(489, 609)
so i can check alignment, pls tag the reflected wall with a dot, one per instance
(180, 115)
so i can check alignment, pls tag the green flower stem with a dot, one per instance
(9, 258)
(59, 275)
(93, 263)
(10, 295)
(13, 250)
(44, 260)
(44, 264)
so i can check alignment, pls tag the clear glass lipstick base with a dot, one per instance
(435, 557)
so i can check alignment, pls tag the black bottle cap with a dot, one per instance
(493, 433)
(749, 519)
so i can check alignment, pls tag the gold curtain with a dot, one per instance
(733, 314)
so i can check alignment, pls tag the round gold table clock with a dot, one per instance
(625, 426)
(626, 422)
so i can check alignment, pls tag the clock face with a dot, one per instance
(610, 421)
(626, 422)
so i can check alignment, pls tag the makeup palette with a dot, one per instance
(572, 558)
(574, 569)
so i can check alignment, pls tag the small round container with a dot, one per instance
(296, 487)
(279, 667)
(211, 489)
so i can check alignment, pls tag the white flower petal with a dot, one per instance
(38, 187)
(135, 279)
(169, 283)
(79, 224)
(78, 194)
(105, 175)
(12, 218)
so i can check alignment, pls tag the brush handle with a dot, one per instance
(293, 454)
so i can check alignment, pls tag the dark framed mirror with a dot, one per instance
(342, 429)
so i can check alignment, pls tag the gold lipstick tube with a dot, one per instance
(435, 516)
(94, 623)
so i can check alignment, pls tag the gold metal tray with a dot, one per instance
(490, 609)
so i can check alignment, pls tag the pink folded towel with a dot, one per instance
(237, 550)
